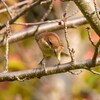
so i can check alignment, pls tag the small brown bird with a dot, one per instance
(50, 45)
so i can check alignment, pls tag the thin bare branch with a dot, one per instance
(6, 54)
(90, 39)
(14, 6)
(24, 24)
(96, 9)
(45, 1)
(7, 9)
(88, 9)
(8, 31)
(95, 53)
(66, 36)
(94, 72)
(48, 12)
(25, 9)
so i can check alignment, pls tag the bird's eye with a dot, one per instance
(49, 42)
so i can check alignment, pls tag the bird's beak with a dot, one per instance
(58, 54)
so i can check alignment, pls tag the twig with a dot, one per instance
(95, 53)
(66, 38)
(90, 39)
(45, 1)
(66, 10)
(67, 5)
(26, 8)
(94, 72)
(14, 6)
(44, 17)
(96, 48)
(8, 31)
(7, 8)
(26, 24)
(96, 9)
(7, 45)
(48, 12)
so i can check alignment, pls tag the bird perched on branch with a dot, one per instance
(50, 45)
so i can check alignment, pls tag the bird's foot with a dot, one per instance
(45, 70)
(42, 64)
